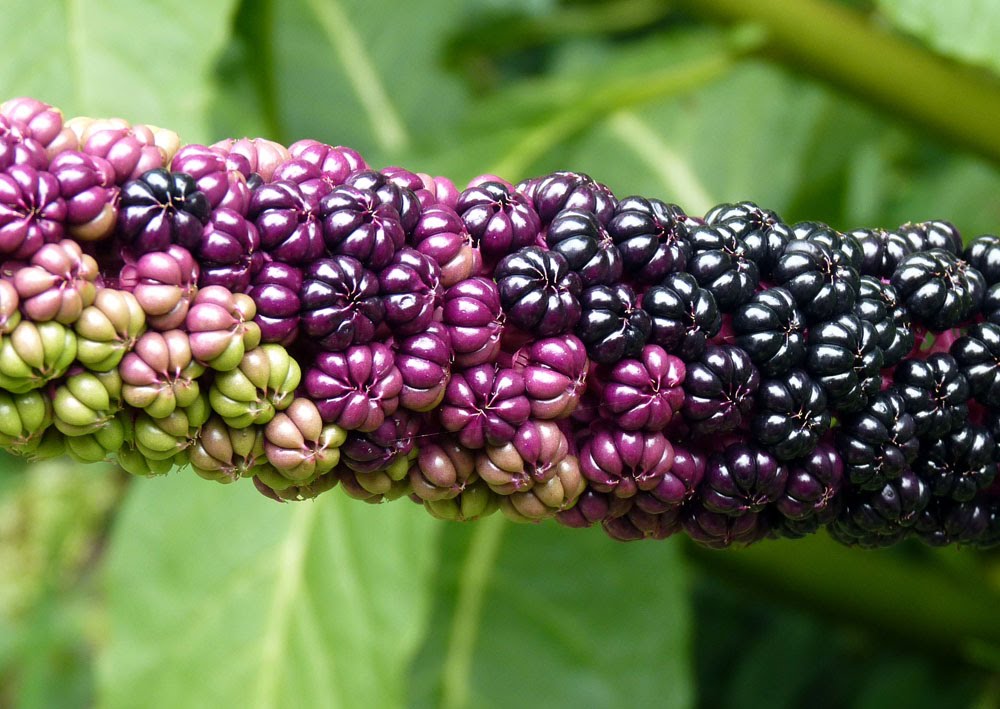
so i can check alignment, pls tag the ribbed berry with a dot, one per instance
(983, 254)
(651, 237)
(499, 219)
(719, 390)
(579, 237)
(287, 221)
(356, 223)
(936, 234)
(720, 531)
(538, 292)
(32, 212)
(845, 246)
(946, 522)
(814, 482)
(771, 329)
(474, 318)
(275, 289)
(940, 290)
(551, 194)
(936, 393)
(843, 355)
(228, 251)
(340, 303)
(959, 464)
(978, 355)
(879, 442)
(161, 208)
(484, 405)
(624, 462)
(721, 264)
(644, 392)
(821, 280)
(390, 190)
(881, 251)
(791, 415)
(612, 326)
(878, 304)
(879, 518)
(742, 479)
(684, 315)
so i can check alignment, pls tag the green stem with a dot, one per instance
(881, 591)
(848, 49)
(479, 562)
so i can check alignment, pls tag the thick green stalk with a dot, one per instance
(910, 600)
(848, 49)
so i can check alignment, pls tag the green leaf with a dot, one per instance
(357, 73)
(965, 30)
(148, 62)
(555, 617)
(220, 597)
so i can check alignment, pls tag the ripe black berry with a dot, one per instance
(879, 442)
(935, 392)
(771, 329)
(721, 264)
(939, 290)
(579, 237)
(684, 315)
(719, 390)
(791, 415)
(612, 325)
(651, 237)
(843, 355)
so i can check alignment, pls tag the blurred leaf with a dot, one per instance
(558, 618)
(964, 30)
(149, 62)
(351, 77)
(220, 597)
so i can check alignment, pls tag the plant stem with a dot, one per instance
(848, 49)
(475, 575)
(880, 590)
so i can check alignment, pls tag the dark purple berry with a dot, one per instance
(684, 315)
(612, 326)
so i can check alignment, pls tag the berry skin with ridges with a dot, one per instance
(814, 482)
(879, 442)
(624, 462)
(880, 518)
(484, 405)
(791, 415)
(742, 479)
(643, 393)
(340, 303)
(32, 212)
(684, 315)
(878, 304)
(579, 237)
(558, 191)
(555, 371)
(978, 355)
(939, 290)
(721, 265)
(538, 292)
(612, 326)
(821, 280)
(161, 208)
(474, 317)
(935, 392)
(357, 388)
(720, 390)
(500, 220)
(843, 355)
(771, 329)
(651, 237)
(959, 465)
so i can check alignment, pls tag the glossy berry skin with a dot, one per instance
(878, 304)
(484, 405)
(386, 449)
(959, 465)
(814, 481)
(228, 251)
(742, 479)
(821, 280)
(357, 388)
(771, 329)
(643, 393)
(843, 356)
(935, 392)
(844, 246)
(555, 373)
(441, 234)
(87, 185)
(720, 531)
(940, 291)
(879, 442)
(751, 213)
(390, 190)
(275, 289)
(553, 193)
(410, 288)
(611, 324)
(881, 251)
(791, 415)
(674, 488)
(340, 303)
(684, 315)
(164, 283)
(538, 292)
(531, 457)
(356, 223)
(763, 235)
(879, 518)
(946, 522)
(579, 237)
(719, 390)
(978, 355)
(983, 254)
(287, 221)
(936, 234)
(652, 238)
(624, 462)
(32, 212)
(500, 220)
(721, 265)
(424, 362)
(161, 208)
(219, 177)
(474, 318)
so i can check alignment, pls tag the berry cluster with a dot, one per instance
(297, 318)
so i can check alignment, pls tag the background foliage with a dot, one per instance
(177, 592)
